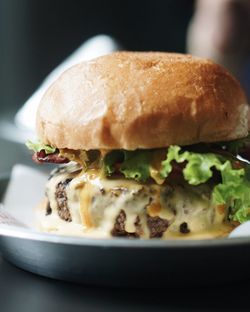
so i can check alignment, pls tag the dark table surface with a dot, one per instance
(22, 291)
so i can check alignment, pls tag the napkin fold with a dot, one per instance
(24, 193)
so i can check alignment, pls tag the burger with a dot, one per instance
(149, 145)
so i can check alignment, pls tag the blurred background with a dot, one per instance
(36, 36)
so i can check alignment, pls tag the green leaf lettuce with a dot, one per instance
(39, 146)
(234, 189)
(136, 165)
(133, 164)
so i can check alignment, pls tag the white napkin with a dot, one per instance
(241, 231)
(24, 193)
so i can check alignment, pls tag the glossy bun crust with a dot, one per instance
(130, 100)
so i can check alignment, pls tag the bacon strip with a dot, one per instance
(41, 157)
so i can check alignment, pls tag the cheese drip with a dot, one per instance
(95, 202)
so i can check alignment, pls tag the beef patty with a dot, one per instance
(62, 201)
(125, 208)
(156, 225)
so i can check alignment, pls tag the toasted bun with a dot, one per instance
(130, 100)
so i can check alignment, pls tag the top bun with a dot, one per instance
(130, 100)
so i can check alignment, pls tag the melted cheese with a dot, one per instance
(85, 205)
(95, 202)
